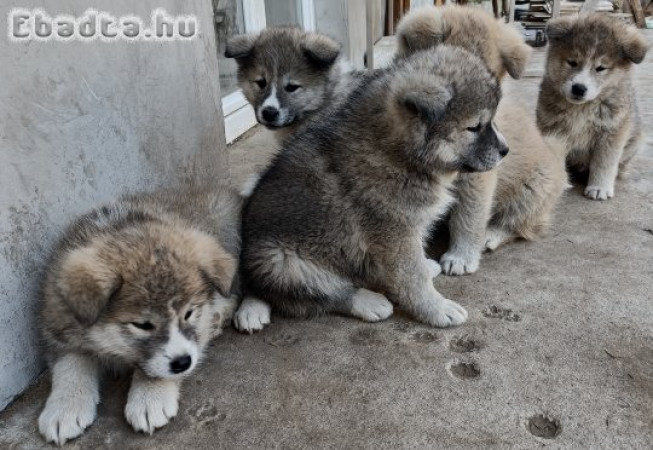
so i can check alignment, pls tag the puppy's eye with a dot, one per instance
(475, 129)
(572, 63)
(147, 326)
(261, 82)
(292, 87)
(600, 68)
(189, 313)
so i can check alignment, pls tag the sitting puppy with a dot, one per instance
(337, 222)
(587, 97)
(516, 199)
(288, 75)
(140, 284)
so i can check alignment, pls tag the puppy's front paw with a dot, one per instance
(599, 192)
(459, 263)
(151, 404)
(370, 306)
(65, 418)
(444, 313)
(495, 237)
(252, 315)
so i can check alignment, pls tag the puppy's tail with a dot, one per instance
(294, 286)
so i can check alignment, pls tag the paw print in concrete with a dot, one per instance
(544, 426)
(465, 370)
(464, 344)
(423, 337)
(366, 336)
(281, 339)
(497, 312)
(206, 413)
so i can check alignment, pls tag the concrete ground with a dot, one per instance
(558, 350)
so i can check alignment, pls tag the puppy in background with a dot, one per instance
(516, 199)
(287, 75)
(587, 97)
(338, 220)
(140, 284)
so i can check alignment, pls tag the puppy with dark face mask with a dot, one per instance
(587, 98)
(141, 284)
(338, 220)
(288, 74)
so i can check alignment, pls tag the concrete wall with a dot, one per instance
(81, 123)
(346, 21)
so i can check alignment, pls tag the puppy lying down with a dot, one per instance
(139, 285)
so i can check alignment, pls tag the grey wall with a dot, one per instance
(346, 21)
(81, 123)
(282, 12)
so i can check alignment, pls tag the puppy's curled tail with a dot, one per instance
(294, 286)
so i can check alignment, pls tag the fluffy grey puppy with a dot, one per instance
(337, 222)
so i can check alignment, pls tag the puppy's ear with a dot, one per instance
(217, 267)
(87, 283)
(421, 29)
(430, 106)
(558, 29)
(240, 46)
(320, 50)
(633, 44)
(513, 50)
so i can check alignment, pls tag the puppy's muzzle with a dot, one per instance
(270, 114)
(181, 364)
(578, 90)
(490, 149)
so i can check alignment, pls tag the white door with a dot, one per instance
(250, 16)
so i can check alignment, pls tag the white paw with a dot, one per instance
(65, 418)
(494, 238)
(151, 404)
(446, 313)
(599, 192)
(252, 315)
(434, 267)
(459, 263)
(370, 306)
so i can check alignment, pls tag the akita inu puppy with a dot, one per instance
(287, 75)
(587, 97)
(140, 284)
(517, 198)
(337, 222)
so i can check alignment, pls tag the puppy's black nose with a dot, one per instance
(578, 90)
(180, 364)
(270, 113)
(504, 151)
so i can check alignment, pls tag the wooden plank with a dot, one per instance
(369, 23)
(638, 14)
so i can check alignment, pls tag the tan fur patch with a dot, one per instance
(500, 45)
